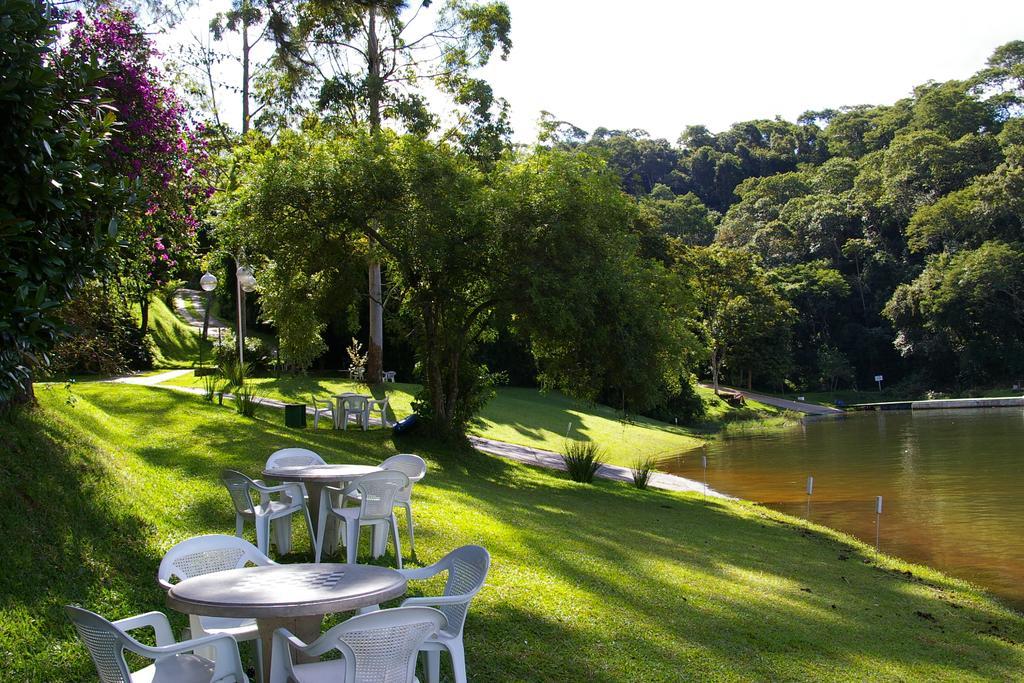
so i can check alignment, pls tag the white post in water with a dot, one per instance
(568, 429)
(878, 519)
(810, 490)
(704, 464)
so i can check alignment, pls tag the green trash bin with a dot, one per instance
(295, 415)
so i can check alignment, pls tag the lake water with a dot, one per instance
(952, 483)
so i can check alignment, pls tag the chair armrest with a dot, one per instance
(164, 583)
(155, 620)
(422, 572)
(438, 600)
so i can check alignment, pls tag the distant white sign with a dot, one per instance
(878, 378)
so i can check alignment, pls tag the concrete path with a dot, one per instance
(786, 404)
(150, 380)
(198, 301)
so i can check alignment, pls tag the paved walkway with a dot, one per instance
(198, 301)
(150, 380)
(795, 406)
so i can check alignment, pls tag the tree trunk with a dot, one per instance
(245, 67)
(375, 352)
(375, 347)
(206, 315)
(144, 311)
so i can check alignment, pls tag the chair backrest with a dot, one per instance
(377, 491)
(207, 554)
(467, 571)
(294, 457)
(381, 647)
(239, 486)
(105, 643)
(354, 403)
(411, 465)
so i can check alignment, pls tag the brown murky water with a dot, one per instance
(952, 483)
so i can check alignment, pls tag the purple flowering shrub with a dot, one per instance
(153, 151)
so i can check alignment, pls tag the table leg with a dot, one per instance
(306, 628)
(330, 540)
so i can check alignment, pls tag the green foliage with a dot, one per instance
(582, 460)
(246, 401)
(102, 336)
(55, 212)
(210, 384)
(642, 470)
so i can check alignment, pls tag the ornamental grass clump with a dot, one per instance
(209, 387)
(582, 460)
(246, 401)
(642, 469)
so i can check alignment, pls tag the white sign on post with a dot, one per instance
(878, 378)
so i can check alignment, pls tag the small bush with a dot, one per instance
(209, 387)
(582, 460)
(643, 470)
(234, 372)
(246, 401)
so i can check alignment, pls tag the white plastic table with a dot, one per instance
(338, 414)
(315, 478)
(292, 596)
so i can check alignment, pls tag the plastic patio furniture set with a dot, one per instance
(342, 408)
(234, 593)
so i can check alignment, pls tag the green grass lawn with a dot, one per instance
(176, 344)
(597, 583)
(542, 420)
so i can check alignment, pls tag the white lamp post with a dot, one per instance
(246, 283)
(208, 282)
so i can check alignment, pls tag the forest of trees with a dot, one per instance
(893, 233)
(857, 241)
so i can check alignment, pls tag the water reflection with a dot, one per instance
(951, 481)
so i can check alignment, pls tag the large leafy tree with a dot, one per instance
(56, 210)
(542, 243)
(370, 62)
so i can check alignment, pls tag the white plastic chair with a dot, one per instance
(467, 569)
(380, 647)
(323, 406)
(172, 662)
(414, 467)
(376, 496)
(268, 510)
(205, 555)
(357, 406)
(294, 457)
(357, 373)
(389, 376)
(379, 406)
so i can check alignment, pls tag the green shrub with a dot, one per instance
(642, 469)
(246, 401)
(582, 460)
(209, 387)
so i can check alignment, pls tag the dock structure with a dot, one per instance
(943, 404)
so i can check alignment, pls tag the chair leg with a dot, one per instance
(259, 659)
(351, 540)
(309, 524)
(412, 536)
(239, 525)
(458, 653)
(316, 419)
(398, 543)
(321, 529)
(263, 535)
(433, 666)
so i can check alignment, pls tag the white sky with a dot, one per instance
(662, 65)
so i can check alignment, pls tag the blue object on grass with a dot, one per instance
(405, 425)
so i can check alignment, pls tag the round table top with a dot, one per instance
(326, 473)
(286, 590)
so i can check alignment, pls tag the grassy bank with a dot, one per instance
(175, 344)
(529, 417)
(598, 583)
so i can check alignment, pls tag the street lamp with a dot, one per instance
(208, 283)
(246, 283)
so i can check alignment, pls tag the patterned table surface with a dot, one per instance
(286, 590)
(326, 473)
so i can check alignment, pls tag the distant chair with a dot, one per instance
(467, 569)
(375, 493)
(357, 406)
(357, 373)
(204, 555)
(294, 457)
(379, 406)
(268, 510)
(107, 642)
(415, 468)
(389, 376)
(323, 406)
(378, 646)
